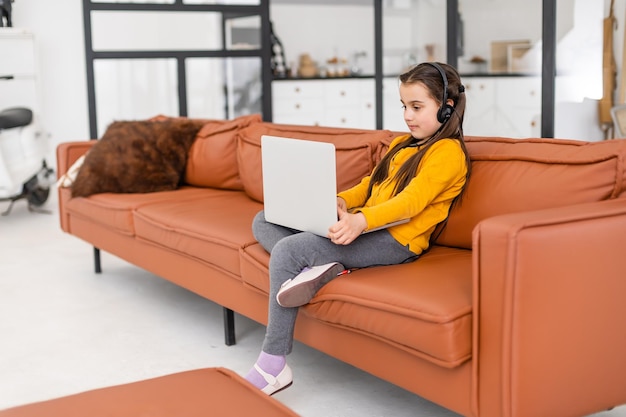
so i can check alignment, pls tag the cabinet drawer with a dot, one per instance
(342, 92)
(520, 92)
(343, 118)
(297, 89)
(291, 106)
(367, 117)
(523, 122)
(480, 94)
(367, 105)
(298, 119)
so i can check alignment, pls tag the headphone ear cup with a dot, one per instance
(444, 113)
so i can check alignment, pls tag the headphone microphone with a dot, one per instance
(445, 111)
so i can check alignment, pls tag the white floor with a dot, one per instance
(64, 329)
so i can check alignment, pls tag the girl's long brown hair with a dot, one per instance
(430, 77)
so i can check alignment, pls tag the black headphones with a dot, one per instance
(446, 110)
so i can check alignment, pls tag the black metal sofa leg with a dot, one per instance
(229, 326)
(96, 260)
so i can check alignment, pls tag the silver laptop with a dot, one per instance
(300, 184)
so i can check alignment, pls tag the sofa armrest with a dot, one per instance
(69, 152)
(550, 311)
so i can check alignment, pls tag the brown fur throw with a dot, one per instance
(137, 157)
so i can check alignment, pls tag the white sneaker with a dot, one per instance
(275, 383)
(301, 289)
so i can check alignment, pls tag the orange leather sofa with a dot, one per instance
(517, 311)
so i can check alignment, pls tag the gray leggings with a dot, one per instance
(291, 251)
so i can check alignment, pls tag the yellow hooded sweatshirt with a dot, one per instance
(426, 199)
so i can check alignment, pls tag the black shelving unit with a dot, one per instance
(264, 52)
(227, 11)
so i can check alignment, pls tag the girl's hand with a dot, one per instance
(348, 228)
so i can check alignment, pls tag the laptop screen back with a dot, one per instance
(299, 183)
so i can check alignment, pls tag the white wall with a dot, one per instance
(58, 28)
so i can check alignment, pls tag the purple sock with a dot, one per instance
(272, 364)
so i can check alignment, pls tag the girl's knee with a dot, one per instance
(257, 223)
(259, 219)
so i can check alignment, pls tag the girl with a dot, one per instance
(419, 178)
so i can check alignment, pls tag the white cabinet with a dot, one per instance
(331, 102)
(519, 101)
(502, 106)
(298, 102)
(18, 78)
(393, 114)
(481, 110)
(508, 106)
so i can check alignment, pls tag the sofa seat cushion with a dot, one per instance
(116, 210)
(211, 227)
(254, 267)
(424, 308)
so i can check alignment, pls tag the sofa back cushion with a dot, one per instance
(357, 151)
(212, 158)
(511, 175)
